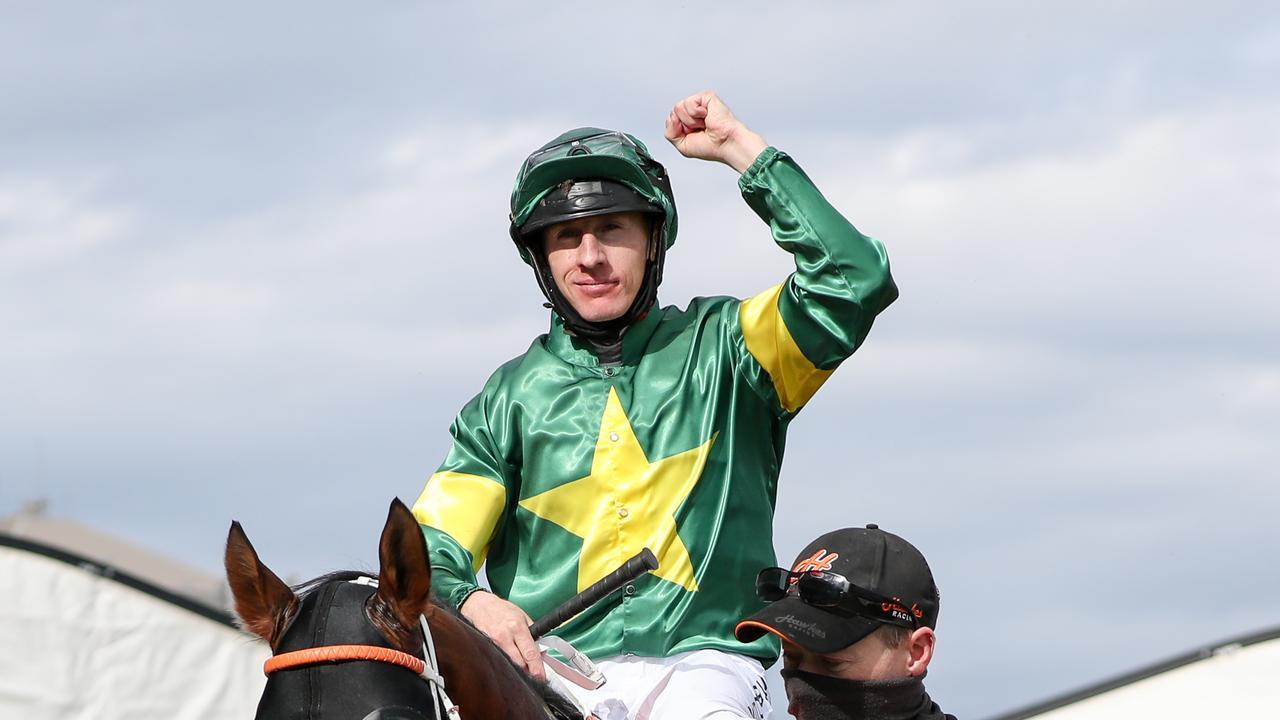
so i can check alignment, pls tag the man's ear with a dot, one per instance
(920, 650)
(263, 602)
(404, 575)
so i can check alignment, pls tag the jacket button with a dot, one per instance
(629, 590)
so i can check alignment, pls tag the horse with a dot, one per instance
(345, 646)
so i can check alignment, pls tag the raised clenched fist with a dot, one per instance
(702, 126)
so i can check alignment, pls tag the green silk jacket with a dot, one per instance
(561, 468)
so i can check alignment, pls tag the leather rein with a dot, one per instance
(427, 670)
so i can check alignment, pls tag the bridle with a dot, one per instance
(427, 669)
(576, 668)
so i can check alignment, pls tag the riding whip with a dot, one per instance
(643, 562)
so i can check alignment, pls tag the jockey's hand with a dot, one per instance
(701, 126)
(508, 627)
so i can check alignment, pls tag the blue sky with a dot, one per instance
(253, 259)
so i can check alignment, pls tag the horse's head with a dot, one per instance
(342, 609)
(385, 678)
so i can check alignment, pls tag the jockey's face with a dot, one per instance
(871, 658)
(599, 262)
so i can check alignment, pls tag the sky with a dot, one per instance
(253, 258)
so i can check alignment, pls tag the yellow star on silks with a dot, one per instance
(626, 504)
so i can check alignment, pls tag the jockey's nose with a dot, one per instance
(590, 250)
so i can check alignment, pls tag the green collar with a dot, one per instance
(577, 351)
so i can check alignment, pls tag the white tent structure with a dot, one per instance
(94, 628)
(1235, 678)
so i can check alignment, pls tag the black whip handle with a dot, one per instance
(643, 562)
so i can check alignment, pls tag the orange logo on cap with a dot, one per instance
(896, 608)
(820, 560)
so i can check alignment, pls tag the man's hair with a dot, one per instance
(892, 635)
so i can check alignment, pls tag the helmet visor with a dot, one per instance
(572, 200)
(607, 142)
(599, 155)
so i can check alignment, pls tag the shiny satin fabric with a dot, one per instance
(562, 468)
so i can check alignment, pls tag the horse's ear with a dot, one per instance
(263, 601)
(404, 575)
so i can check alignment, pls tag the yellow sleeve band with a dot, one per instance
(467, 507)
(769, 341)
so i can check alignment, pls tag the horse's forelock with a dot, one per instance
(384, 618)
(307, 588)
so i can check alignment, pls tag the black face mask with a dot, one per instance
(820, 697)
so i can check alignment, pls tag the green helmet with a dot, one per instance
(586, 172)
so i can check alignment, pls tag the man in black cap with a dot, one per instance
(856, 614)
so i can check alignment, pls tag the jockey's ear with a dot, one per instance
(404, 575)
(263, 602)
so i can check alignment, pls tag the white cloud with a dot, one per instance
(45, 222)
(1158, 227)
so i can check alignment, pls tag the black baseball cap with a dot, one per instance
(869, 558)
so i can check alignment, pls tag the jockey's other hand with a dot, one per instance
(508, 627)
(702, 126)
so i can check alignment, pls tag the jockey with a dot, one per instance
(631, 425)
